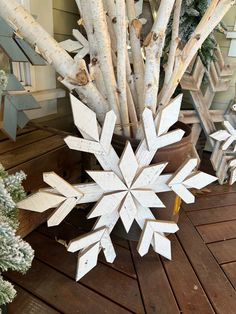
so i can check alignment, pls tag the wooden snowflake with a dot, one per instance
(228, 136)
(232, 169)
(126, 187)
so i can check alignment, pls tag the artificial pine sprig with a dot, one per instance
(15, 253)
(11, 192)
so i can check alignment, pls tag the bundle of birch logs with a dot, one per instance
(124, 73)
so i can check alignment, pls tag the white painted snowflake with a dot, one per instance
(232, 170)
(228, 136)
(125, 189)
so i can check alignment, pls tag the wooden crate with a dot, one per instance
(34, 152)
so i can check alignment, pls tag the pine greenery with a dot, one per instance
(15, 253)
(11, 192)
(191, 13)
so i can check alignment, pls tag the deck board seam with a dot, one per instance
(33, 294)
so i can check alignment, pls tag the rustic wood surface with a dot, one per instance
(200, 279)
(37, 151)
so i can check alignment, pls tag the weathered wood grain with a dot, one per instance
(219, 290)
(218, 232)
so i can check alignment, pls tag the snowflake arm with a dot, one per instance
(227, 136)
(232, 169)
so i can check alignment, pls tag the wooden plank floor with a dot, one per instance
(201, 278)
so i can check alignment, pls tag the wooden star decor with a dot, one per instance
(232, 170)
(125, 189)
(228, 136)
(13, 104)
(232, 35)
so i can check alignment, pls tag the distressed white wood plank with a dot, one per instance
(199, 180)
(107, 131)
(84, 118)
(150, 229)
(109, 161)
(162, 245)
(61, 212)
(149, 175)
(62, 186)
(70, 45)
(216, 156)
(232, 179)
(128, 212)
(144, 156)
(145, 239)
(228, 142)
(76, 33)
(161, 184)
(83, 145)
(221, 135)
(108, 248)
(183, 193)
(87, 260)
(164, 226)
(40, 202)
(128, 164)
(169, 115)
(231, 35)
(184, 171)
(86, 240)
(229, 127)
(147, 198)
(108, 220)
(91, 192)
(107, 180)
(143, 214)
(149, 128)
(232, 49)
(107, 204)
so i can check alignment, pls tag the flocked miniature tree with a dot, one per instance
(15, 253)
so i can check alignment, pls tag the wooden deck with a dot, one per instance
(201, 278)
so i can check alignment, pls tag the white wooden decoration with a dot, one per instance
(232, 36)
(154, 230)
(185, 178)
(232, 169)
(126, 187)
(80, 46)
(228, 136)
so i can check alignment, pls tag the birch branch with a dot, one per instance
(112, 17)
(154, 47)
(121, 64)
(174, 42)
(94, 66)
(74, 72)
(138, 65)
(132, 112)
(104, 53)
(211, 18)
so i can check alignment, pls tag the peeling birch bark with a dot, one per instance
(174, 42)
(121, 64)
(138, 65)
(154, 47)
(104, 53)
(72, 71)
(95, 70)
(211, 18)
(112, 17)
